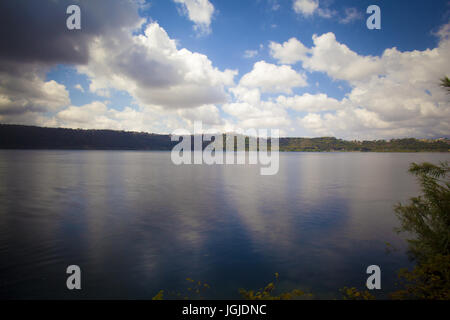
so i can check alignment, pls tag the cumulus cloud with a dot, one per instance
(36, 32)
(154, 71)
(361, 122)
(305, 7)
(35, 38)
(24, 91)
(79, 87)
(272, 78)
(289, 52)
(350, 15)
(97, 115)
(77, 116)
(326, 12)
(396, 94)
(200, 12)
(265, 115)
(250, 54)
(308, 8)
(274, 5)
(444, 31)
(346, 64)
(310, 102)
(160, 77)
(209, 115)
(250, 111)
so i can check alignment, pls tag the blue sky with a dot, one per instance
(341, 83)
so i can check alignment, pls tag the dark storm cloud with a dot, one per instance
(35, 31)
(148, 65)
(34, 37)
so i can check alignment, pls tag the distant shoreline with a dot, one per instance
(155, 150)
(16, 137)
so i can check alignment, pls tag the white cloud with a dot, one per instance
(208, 114)
(250, 54)
(155, 119)
(272, 78)
(25, 90)
(351, 14)
(314, 123)
(310, 102)
(26, 96)
(79, 87)
(308, 8)
(93, 112)
(345, 64)
(394, 95)
(289, 52)
(250, 111)
(361, 122)
(305, 7)
(326, 13)
(274, 5)
(200, 12)
(155, 72)
(444, 31)
(97, 115)
(265, 115)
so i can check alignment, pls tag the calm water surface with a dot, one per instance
(135, 223)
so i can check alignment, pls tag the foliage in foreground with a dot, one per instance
(429, 280)
(268, 293)
(445, 82)
(427, 220)
(195, 290)
(427, 217)
(355, 294)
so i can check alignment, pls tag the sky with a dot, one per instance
(309, 68)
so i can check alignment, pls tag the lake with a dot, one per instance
(135, 223)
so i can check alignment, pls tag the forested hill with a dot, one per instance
(30, 137)
(394, 145)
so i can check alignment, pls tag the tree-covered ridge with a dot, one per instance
(31, 137)
(334, 144)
